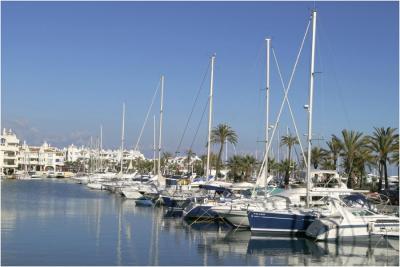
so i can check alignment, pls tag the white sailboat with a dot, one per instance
(291, 220)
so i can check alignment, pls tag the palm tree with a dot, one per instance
(220, 134)
(235, 167)
(213, 160)
(317, 156)
(289, 141)
(351, 147)
(334, 150)
(248, 164)
(383, 143)
(272, 164)
(395, 159)
(364, 158)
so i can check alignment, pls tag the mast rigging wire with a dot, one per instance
(198, 125)
(290, 108)
(285, 96)
(192, 110)
(147, 115)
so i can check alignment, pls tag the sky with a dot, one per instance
(67, 67)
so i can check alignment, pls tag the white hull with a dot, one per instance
(237, 218)
(95, 186)
(337, 231)
(131, 194)
(353, 223)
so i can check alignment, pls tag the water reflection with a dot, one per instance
(50, 222)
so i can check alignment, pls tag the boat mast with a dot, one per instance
(101, 147)
(309, 135)
(122, 135)
(154, 144)
(210, 100)
(91, 155)
(161, 121)
(267, 115)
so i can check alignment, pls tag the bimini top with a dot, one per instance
(219, 189)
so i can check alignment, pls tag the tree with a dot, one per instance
(189, 155)
(383, 143)
(235, 168)
(363, 159)
(213, 161)
(219, 135)
(351, 146)
(395, 159)
(248, 164)
(241, 167)
(334, 150)
(289, 141)
(198, 167)
(272, 164)
(317, 156)
(165, 157)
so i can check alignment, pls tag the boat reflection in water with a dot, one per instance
(262, 250)
(302, 251)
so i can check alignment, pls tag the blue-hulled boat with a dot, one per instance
(175, 201)
(292, 222)
(143, 201)
(200, 207)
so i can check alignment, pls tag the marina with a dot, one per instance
(281, 185)
(59, 222)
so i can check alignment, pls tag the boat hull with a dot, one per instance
(200, 212)
(131, 194)
(237, 218)
(144, 202)
(279, 222)
(95, 186)
(172, 202)
(333, 229)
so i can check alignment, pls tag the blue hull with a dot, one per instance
(275, 222)
(172, 203)
(201, 212)
(144, 202)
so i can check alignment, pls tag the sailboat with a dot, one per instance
(292, 220)
(150, 190)
(200, 207)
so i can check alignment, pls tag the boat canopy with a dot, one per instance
(219, 189)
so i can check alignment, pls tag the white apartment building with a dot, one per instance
(182, 162)
(9, 150)
(15, 156)
(107, 158)
(42, 158)
(73, 153)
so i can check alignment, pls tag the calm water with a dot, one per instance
(56, 222)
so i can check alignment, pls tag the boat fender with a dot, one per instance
(205, 200)
(370, 227)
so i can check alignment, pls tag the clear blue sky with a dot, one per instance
(68, 66)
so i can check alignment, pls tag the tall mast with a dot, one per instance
(122, 135)
(154, 144)
(161, 121)
(309, 135)
(279, 149)
(210, 116)
(267, 115)
(101, 146)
